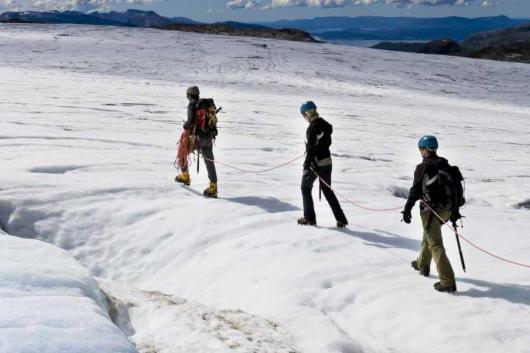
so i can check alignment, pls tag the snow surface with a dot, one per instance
(90, 117)
(49, 303)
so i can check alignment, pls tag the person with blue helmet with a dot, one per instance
(432, 247)
(318, 164)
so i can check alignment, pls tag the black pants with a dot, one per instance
(307, 186)
(205, 146)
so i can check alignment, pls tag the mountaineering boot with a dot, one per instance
(342, 224)
(449, 288)
(183, 178)
(211, 191)
(306, 222)
(423, 271)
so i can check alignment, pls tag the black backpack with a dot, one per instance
(446, 189)
(207, 116)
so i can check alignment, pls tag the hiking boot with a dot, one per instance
(451, 288)
(423, 271)
(211, 191)
(183, 178)
(306, 222)
(342, 224)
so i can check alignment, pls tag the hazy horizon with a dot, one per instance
(264, 21)
(275, 10)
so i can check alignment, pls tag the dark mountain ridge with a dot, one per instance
(135, 18)
(511, 44)
(59, 17)
(247, 31)
(130, 18)
(396, 28)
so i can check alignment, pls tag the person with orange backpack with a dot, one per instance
(200, 131)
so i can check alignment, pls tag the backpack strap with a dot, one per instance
(432, 180)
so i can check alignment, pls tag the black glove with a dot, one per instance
(407, 216)
(310, 166)
(455, 216)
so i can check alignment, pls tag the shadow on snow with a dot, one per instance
(268, 204)
(514, 293)
(383, 241)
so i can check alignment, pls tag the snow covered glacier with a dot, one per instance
(89, 117)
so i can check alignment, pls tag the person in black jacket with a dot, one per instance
(318, 164)
(204, 142)
(432, 247)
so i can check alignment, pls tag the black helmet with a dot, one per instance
(193, 91)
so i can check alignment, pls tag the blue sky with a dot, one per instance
(215, 10)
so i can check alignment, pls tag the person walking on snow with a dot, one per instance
(432, 247)
(204, 142)
(318, 160)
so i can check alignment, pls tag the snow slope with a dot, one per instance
(90, 117)
(49, 303)
(158, 322)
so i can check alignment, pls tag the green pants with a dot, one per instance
(432, 247)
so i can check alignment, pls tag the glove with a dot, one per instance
(310, 166)
(407, 216)
(306, 172)
(455, 216)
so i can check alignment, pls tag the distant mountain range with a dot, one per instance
(511, 44)
(131, 18)
(137, 18)
(396, 28)
(331, 29)
(499, 38)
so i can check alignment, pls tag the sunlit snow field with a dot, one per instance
(89, 119)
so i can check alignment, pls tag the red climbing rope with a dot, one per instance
(444, 222)
(354, 203)
(255, 171)
(471, 243)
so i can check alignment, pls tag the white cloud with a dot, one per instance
(242, 4)
(62, 5)
(246, 4)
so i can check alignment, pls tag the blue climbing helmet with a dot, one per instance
(429, 142)
(307, 106)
